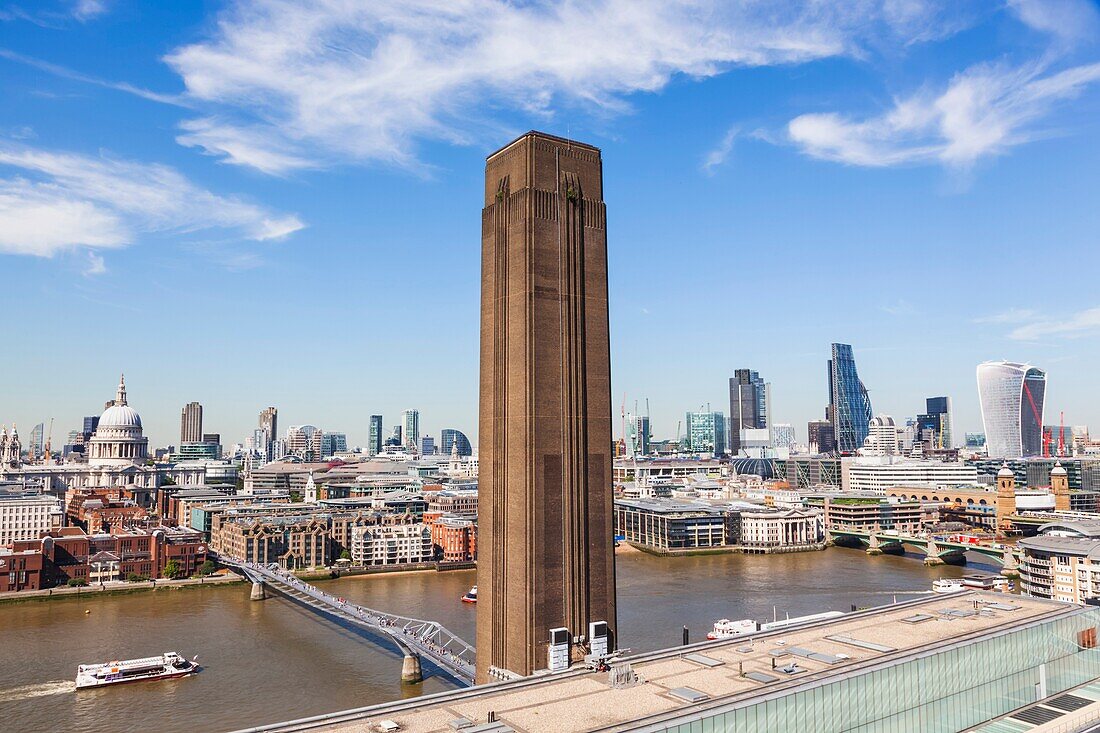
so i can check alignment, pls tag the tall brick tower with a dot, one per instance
(545, 557)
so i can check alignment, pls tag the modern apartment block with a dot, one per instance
(399, 544)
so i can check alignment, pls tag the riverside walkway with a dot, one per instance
(415, 638)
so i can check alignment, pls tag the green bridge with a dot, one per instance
(936, 551)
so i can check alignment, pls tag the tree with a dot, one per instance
(77, 582)
(136, 578)
(172, 569)
(345, 555)
(207, 568)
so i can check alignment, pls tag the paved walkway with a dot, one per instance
(120, 586)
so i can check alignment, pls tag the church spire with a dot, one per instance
(120, 398)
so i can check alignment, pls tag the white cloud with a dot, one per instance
(721, 152)
(285, 84)
(96, 265)
(59, 201)
(88, 9)
(1012, 315)
(984, 111)
(1069, 20)
(1082, 323)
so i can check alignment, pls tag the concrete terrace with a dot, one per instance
(716, 674)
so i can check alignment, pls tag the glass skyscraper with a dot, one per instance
(451, 437)
(1012, 397)
(849, 403)
(411, 428)
(374, 441)
(748, 405)
(706, 432)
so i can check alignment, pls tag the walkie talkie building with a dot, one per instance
(1012, 397)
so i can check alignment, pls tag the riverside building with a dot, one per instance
(1063, 562)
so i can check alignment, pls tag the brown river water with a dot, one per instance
(268, 661)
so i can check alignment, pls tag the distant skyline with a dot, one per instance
(251, 203)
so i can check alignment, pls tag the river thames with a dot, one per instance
(269, 661)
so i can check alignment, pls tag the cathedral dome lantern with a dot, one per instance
(118, 439)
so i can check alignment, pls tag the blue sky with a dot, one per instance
(260, 202)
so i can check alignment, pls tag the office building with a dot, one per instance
(820, 436)
(882, 473)
(748, 405)
(191, 423)
(1012, 396)
(975, 440)
(410, 419)
(882, 439)
(637, 435)
(706, 433)
(849, 404)
(939, 408)
(783, 435)
(451, 440)
(333, 443)
(269, 424)
(374, 441)
(34, 442)
(26, 516)
(305, 442)
(545, 405)
(427, 445)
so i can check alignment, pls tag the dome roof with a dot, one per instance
(120, 416)
(762, 467)
(1057, 470)
(1005, 472)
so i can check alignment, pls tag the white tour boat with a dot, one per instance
(726, 629)
(972, 582)
(166, 666)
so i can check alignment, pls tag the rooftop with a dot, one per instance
(719, 674)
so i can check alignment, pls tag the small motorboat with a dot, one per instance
(470, 596)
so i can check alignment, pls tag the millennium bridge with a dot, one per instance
(415, 638)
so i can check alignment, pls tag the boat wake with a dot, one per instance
(57, 687)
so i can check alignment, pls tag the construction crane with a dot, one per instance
(1062, 434)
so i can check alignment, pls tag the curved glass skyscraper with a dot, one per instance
(1012, 397)
(451, 437)
(849, 404)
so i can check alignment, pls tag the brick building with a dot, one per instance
(103, 510)
(70, 554)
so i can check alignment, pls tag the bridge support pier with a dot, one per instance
(873, 545)
(258, 592)
(932, 554)
(1011, 568)
(410, 670)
